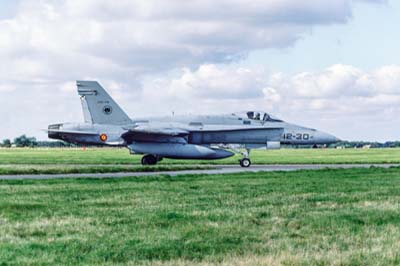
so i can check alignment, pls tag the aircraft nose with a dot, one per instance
(325, 138)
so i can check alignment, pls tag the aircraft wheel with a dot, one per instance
(149, 160)
(245, 162)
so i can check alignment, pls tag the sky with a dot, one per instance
(330, 65)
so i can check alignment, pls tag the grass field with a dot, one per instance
(122, 156)
(96, 160)
(324, 217)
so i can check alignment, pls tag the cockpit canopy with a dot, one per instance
(259, 116)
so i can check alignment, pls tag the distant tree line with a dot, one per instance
(361, 144)
(352, 144)
(25, 141)
(21, 141)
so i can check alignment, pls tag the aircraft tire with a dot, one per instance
(245, 162)
(149, 160)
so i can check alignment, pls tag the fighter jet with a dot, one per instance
(206, 137)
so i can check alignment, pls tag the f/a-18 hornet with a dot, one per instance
(205, 137)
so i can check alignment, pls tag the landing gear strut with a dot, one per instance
(245, 162)
(150, 160)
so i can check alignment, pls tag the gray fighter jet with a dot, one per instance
(180, 137)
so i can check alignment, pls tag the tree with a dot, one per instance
(6, 143)
(24, 141)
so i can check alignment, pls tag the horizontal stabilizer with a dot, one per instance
(71, 132)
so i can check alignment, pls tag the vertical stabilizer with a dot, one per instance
(98, 107)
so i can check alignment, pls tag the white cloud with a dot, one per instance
(388, 78)
(7, 87)
(337, 80)
(47, 45)
(153, 35)
(122, 40)
(330, 98)
(211, 82)
(224, 82)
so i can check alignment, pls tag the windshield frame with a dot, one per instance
(261, 116)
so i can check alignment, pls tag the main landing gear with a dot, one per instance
(150, 159)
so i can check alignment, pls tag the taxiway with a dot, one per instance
(217, 169)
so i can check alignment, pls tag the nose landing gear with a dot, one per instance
(245, 162)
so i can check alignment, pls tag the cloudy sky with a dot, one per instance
(332, 65)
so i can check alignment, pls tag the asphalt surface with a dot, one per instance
(219, 169)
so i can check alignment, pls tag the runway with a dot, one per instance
(218, 169)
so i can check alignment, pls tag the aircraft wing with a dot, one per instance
(158, 135)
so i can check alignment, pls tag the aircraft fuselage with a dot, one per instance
(180, 137)
(203, 130)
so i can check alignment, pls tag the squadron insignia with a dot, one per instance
(107, 110)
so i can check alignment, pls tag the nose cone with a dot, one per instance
(325, 138)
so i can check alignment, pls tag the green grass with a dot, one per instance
(324, 217)
(122, 156)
